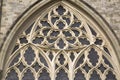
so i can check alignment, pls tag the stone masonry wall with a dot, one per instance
(110, 11)
(12, 9)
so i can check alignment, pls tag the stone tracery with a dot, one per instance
(61, 44)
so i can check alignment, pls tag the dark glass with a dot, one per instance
(93, 31)
(23, 40)
(67, 20)
(93, 56)
(72, 56)
(110, 76)
(84, 41)
(60, 10)
(29, 55)
(86, 68)
(21, 66)
(67, 33)
(76, 32)
(107, 62)
(102, 68)
(51, 56)
(95, 76)
(38, 40)
(44, 75)
(28, 75)
(106, 50)
(62, 75)
(15, 60)
(36, 66)
(54, 19)
(45, 31)
(79, 75)
(54, 33)
(61, 59)
(80, 61)
(12, 75)
(29, 29)
(42, 60)
(15, 48)
(72, 40)
(60, 25)
(50, 40)
(76, 24)
(61, 44)
(45, 23)
(98, 42)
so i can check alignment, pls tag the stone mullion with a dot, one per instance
(52, 68)
(52, 73)
(71, 71)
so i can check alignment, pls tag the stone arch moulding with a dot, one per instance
(80, 8)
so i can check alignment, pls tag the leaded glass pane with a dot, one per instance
(60, 45)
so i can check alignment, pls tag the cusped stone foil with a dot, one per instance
(60, 28)
(61, 42)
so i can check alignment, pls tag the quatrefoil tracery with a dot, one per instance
(61, 43)
(59, 30)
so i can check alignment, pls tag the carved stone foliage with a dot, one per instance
(60, 45)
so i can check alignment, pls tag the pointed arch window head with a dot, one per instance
(61, 28)
(61, 43)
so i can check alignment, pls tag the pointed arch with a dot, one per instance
(92, 21)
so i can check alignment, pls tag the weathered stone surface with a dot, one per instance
(12, 9)
(110, 10)
(1, 74)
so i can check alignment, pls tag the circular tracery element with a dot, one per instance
(60, 29)
(59, 45)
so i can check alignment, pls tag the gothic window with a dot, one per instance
(60, 45)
